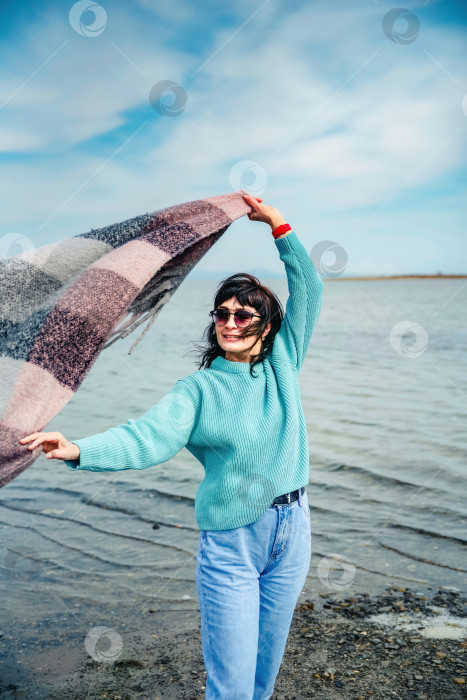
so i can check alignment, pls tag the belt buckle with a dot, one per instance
(288, 497)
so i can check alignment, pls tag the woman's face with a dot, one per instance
(226, 334)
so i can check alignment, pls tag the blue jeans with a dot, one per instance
(248, 580)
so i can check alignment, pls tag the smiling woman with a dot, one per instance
(240, 415)
(239, 299)
(245, 321)
(242, 316)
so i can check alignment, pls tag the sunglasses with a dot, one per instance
(241, 316)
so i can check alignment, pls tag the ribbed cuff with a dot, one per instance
(289, 237)
(74, 464)
(90, 451)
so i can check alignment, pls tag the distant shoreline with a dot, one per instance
(401, 277)
(267, 274)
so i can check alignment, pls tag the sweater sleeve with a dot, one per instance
(153, 438)
(304, 302)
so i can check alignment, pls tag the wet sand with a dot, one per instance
(338, 647)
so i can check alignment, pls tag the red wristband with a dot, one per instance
(279, 230)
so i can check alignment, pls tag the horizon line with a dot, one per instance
(267, 273)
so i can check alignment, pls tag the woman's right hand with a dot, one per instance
(55, 445)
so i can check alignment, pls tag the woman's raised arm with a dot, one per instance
(305, 296)
(304, 284)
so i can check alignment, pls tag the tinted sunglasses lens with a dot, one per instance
(242, 318)
(220, 316)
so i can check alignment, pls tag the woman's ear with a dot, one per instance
(268, 328)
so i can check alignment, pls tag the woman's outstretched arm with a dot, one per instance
(153, 438)
(304, 284)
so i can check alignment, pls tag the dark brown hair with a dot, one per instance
(248, 290)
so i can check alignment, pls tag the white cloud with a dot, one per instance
(18, 141)
(354, 133)
(356, 142)
(88, 85)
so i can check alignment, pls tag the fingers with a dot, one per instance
(258, 199)
(28, 438)
(43, 437)
(251, 201)
(39, 441)
(255, 200)
(56, 454)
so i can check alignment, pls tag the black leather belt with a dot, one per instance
(289, 497)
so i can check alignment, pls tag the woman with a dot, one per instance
(241, 416)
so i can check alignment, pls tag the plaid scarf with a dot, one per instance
(60, 306)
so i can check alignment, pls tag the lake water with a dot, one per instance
(387, 433)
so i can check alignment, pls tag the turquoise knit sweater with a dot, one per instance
(249, 433)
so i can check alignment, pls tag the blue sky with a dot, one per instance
(354, 137)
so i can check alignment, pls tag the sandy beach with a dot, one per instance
(401, 643)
